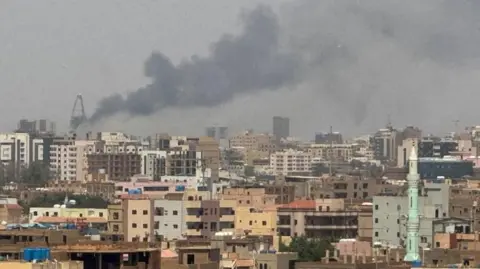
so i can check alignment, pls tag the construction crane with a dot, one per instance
(78, 113)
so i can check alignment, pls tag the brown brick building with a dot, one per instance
(118, 166)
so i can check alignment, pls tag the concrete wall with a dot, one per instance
(171, 225)
(389, 214)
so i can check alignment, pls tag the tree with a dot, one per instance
(37, 174)
(308, 249)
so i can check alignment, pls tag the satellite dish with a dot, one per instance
(56, 206)
(72, 202)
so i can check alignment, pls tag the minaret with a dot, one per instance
(413, 222)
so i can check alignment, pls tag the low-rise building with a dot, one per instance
(66, 212)
(256, 222)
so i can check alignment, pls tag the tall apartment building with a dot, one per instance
(263, 143)
(20, 148)
(385, 144)
(281, 127)
(36, 126)
(68, 158)
(290, 161)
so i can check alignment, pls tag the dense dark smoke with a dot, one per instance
(337, 61)
(240, 64)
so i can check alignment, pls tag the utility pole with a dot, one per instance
(331, 152)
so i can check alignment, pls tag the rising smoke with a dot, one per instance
(350, 62)
(239, 64)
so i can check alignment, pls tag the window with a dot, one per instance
(145, 226)
(116, 228)
(116, 215)
(264, 223)
(376, 220)
(250, 222)
(134, 225)
(398, 234)
(398, 221)
(134, 212)
(156, 225)
(47, 213)
(175, 226)
(100, 214)
(376, 207)
(35, 213)
(145, 212)
(376, 234)
(175, 212)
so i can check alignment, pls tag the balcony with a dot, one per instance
(227, 218)
(192, 218)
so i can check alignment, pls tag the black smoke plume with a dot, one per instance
(240, 64)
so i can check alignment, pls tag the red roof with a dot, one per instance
(303, 204)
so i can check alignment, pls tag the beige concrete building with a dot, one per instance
(210, 153)
(263, 144)
(340, 152)
(290, 161)
(249, 197)
(138, 215)
(116, 219)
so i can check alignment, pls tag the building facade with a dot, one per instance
(389, 214)
(290, 161)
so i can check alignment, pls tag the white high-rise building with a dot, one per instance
(290, 161)
(20, 148)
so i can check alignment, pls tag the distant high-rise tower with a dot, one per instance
(281, 127)
(218, 133)
(413, 222)
(211, 132)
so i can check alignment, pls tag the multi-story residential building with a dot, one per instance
(169, 217)
(281, 127)
(337, 152)
(36, 126)
(255, 197)
(385, 144)
(138, 213)
(290, 161)
(204, 218)
(323, 218)
(153, 163)
(389, 214)
(118, 166)
(264, 144)
(436, 148)
(20, 148)
(68, 158)
(256, 222)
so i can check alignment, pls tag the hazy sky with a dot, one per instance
(361, 60)
(51, 50)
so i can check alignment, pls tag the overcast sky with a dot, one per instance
(417, 61)
(51, 50)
